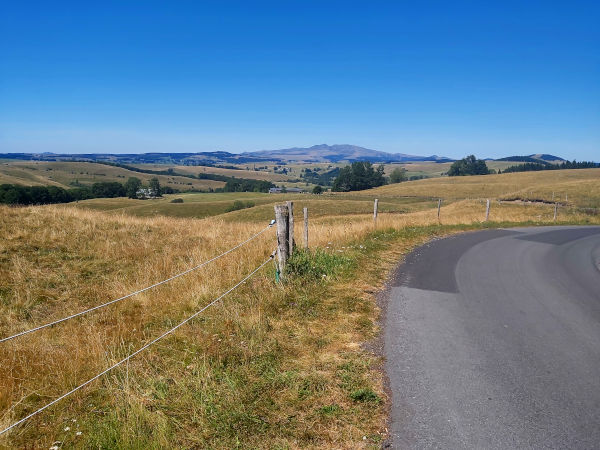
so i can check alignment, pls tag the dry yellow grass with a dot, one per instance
(242, 173)
(433, 169)
(582, 187)
(63, 173)
(271, 366)
(60, 260)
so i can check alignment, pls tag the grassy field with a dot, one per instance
(65, 174)
(272, 366)
(578, 187)
(205, 205)
(33, 173)
(241, 173)
(433, 169)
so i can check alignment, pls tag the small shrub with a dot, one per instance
(239, 204)
(177, 200)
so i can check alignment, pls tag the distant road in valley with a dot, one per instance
(492, 341)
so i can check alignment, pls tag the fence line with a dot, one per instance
(127, 358)
(81, 313)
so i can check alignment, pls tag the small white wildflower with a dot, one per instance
(67, 428)
(364, 438)
(54, 447)
(73, 420)
(78, 433)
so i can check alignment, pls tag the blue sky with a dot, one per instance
(446, 78)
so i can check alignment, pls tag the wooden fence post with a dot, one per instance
(487, 210)
(305, 228)
(375, 210)
(439, 206)
(291, 240)
(555, 210)
(283, 248)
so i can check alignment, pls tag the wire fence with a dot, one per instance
(103, 305)
(141, 349)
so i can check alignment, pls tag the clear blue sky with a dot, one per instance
(447, 78)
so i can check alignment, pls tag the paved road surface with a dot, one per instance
(492, 341)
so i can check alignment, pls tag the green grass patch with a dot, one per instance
(318, 264)
(365, 395)
(239, 204)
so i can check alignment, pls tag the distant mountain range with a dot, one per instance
(322, 153)
(316, 154)
(337, 153)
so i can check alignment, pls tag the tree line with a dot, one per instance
(245, 185)
(15, 194)
(533, 167)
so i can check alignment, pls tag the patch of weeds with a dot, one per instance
(266, 363)
(306, 304)
(376, 438)
(311, 385)
(132, 426)
(351, 374)
(352, 304)
(318, 342)
(161, 389)
(317, 264)
(329, 410)
(363, 323)
(5, 295)
(365, 395)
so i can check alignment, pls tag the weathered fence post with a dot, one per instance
(439, 206)
(552, 195)
(375, 210)
(555, 210)
(566, 198)
(305, 228)
(291, 240)
(283, 247)
(487, 210)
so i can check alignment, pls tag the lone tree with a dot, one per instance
(317, 190)
(358, 176)
(398, 175)
(155, 187)
(132, 185)
(468, 166)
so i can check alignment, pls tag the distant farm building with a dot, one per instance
(145, 193)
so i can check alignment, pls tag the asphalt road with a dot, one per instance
(492, 341)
